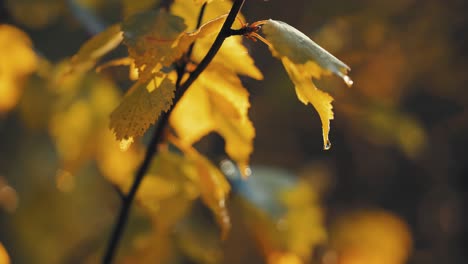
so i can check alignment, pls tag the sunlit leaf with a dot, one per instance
(304, 60)
(233, 53)
(217, 102)
(18, 60)
(96, 47)
(308, 93)
(141, 107)
(150, 37)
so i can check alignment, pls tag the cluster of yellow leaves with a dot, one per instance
(18, 61)
(303, 60)
(216, 102)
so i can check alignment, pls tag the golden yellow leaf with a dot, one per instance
(141, 107)
(371, 236)
(303, 59)
(18, 60)
(217, 102)
(150, 37)
(96, 47)
(4, 258)
(233, 53)
(308, 93)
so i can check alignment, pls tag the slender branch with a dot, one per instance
(128, 199)
(222, 35)
(159, 132)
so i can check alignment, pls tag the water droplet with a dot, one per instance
(228, 168)
(327, 145)
(348, 80)
(247, 172)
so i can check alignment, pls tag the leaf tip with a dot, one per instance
(348, 81)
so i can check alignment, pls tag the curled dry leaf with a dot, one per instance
(303, 60)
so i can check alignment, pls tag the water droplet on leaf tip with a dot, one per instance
(348, 81)
(327, 145)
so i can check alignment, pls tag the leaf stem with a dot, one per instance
(151, 151)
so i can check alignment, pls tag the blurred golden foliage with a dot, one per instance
(369, 237)
(18, 61)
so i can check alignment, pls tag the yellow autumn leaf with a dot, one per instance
(18, 60)
(4, 258)
(150, 37)
(307, 92)
(141, 107)
(233, 54)
(303, 59)
(217, 102)
(96, 47)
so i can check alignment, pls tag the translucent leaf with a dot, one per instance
(150, 37)
(308, 93)
(303, 59)
(18, 60)
(217, 102)
(233, 53)
(286, 41)
(141, 107)
(96, 47)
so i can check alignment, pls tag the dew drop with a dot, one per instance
(247, 172)
(348, 80)
(327, 145)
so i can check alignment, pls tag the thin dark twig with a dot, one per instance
(159, 132)
(128, 199)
